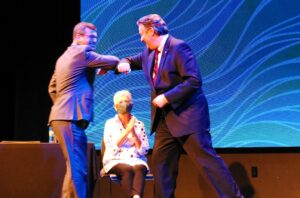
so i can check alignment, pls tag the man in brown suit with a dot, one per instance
(71, 90)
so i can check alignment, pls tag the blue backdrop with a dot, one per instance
(248, 52)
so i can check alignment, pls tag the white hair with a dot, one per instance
(121, 93)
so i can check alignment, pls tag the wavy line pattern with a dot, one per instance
(248, 53)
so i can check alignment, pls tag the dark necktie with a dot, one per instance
(155, 67)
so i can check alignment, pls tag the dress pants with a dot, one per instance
(132, 178)
(198, 146)
(73, 143)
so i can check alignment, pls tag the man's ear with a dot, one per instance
(77, 37)
(152, 31)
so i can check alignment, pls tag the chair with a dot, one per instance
(113, 177)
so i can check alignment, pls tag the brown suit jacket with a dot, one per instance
(71, 85)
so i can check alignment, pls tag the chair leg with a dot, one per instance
(110, 189)
(153, 190)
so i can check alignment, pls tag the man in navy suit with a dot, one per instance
(71, 91)
(179, 113)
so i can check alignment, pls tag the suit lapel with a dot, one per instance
(150, 65)
(151, 62)
(163, 58)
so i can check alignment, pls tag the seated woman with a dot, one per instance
(126, 145)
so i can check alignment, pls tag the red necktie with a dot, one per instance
(155, 67)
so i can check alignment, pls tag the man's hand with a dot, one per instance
(123, 68)
(160, 101)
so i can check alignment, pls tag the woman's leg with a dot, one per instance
(126, 173)
(139, 179)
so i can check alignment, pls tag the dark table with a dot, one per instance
(30, 169)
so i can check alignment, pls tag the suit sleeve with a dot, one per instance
(134, 61)
(52, 88)
(105, 62)
(188, 81)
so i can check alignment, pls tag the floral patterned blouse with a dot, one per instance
(127, 153)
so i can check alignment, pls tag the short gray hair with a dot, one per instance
(121, 93)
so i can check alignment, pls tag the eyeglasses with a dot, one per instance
(90, 35)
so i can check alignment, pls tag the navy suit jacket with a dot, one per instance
(71, 85)
(179, 79)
